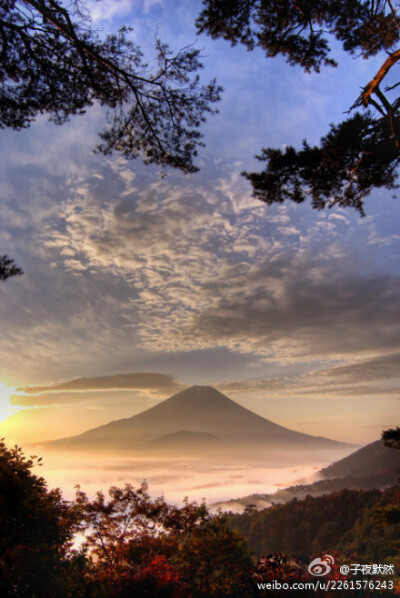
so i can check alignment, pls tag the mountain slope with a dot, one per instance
(372, 459)
(372, 466)
(197, 411)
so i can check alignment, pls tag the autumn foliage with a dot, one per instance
(126, 544)
(131, 544)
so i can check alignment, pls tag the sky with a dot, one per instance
(138, 285)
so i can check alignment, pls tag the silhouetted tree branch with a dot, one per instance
(391, 437)
(356, 155)
(8, 268)
(53, 61)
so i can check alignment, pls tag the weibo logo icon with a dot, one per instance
(321, 565)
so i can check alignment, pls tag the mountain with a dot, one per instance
(372, 466)
(202, 418)
(372, 459)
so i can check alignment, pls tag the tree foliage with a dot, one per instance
(154, 549)
(129, 543)
(362, 522)
(133, 545)
(391, 437)
(53, 61)
(8, 268)
(36, 531)
(356, 155)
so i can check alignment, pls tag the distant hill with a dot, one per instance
(201, 417)
(372, 466)
(373, 459)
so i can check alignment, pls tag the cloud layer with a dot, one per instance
(134, 381)
(126, 271)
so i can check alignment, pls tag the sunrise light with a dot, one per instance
(6, 408)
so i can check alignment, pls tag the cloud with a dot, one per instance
(165, 266)
(133, 381)
(126, 268)
(376, 378)
(291, 311)
(209, 268)
(101, 392)
(153, 382)
(125, 272)
(107, 10)
(385, 367)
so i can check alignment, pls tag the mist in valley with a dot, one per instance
(213, 478)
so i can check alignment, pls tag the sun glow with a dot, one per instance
(6, 408)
